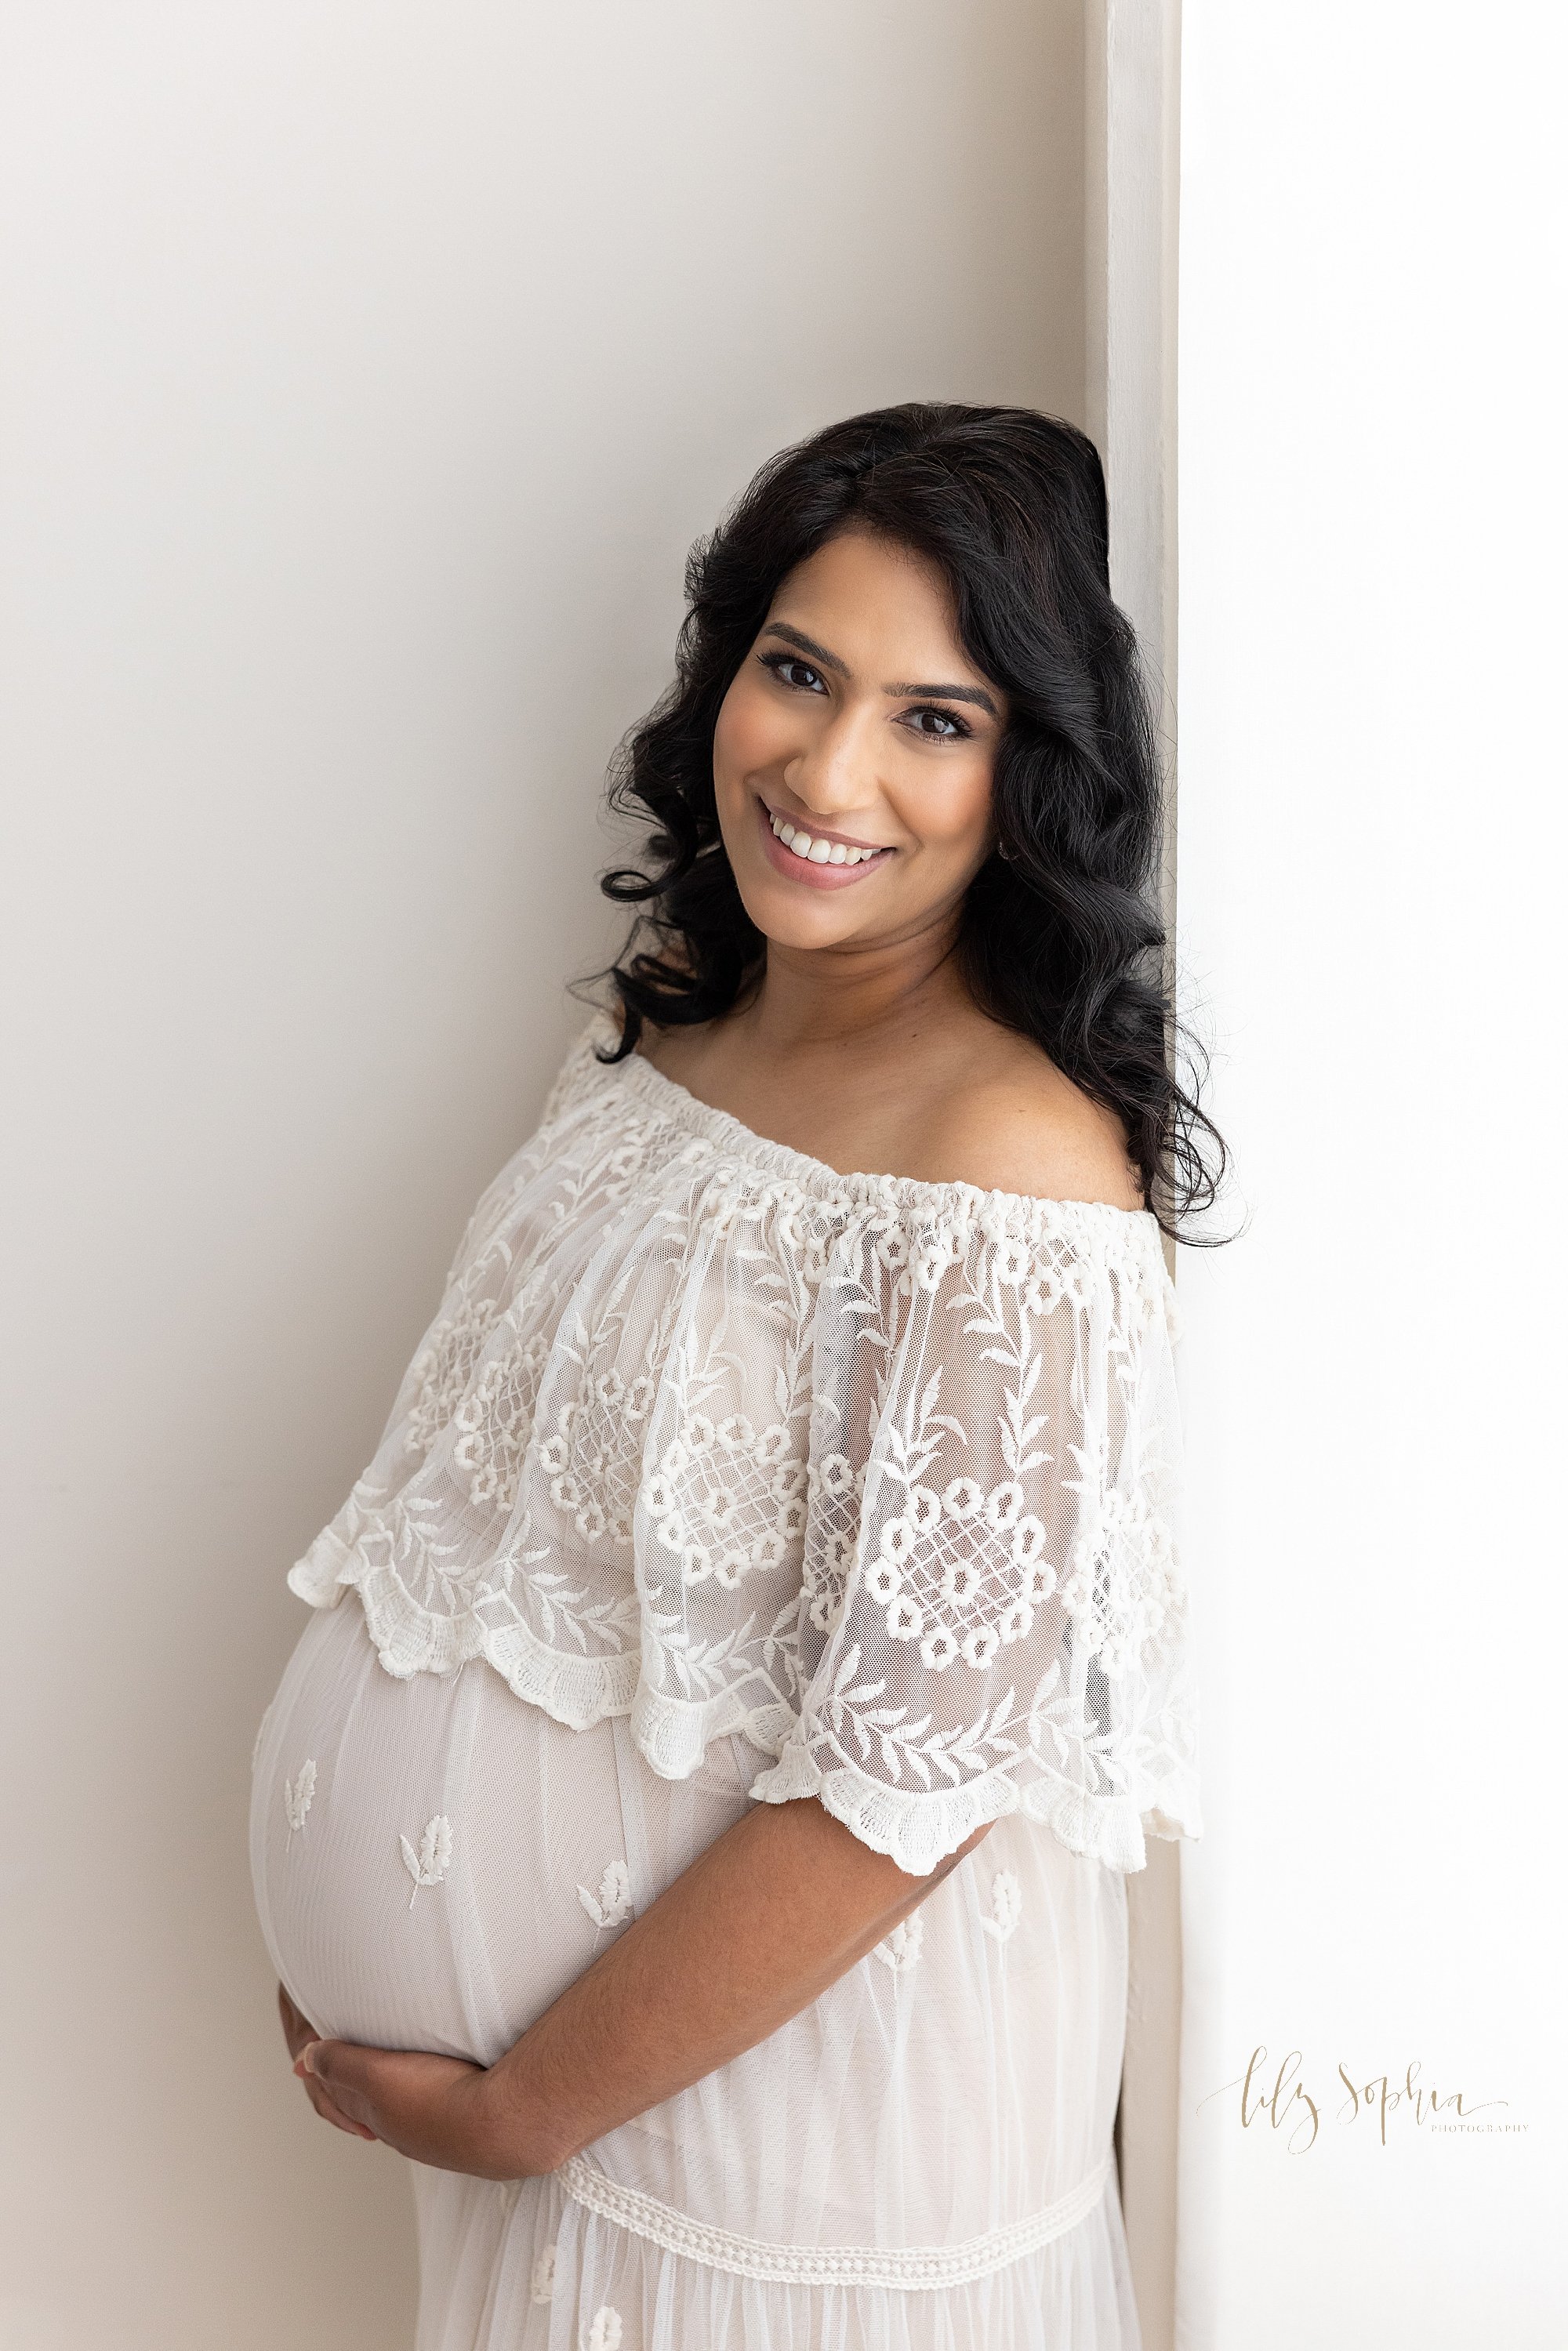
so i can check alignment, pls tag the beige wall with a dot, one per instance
(371, 369)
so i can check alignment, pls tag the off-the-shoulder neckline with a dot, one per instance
(741, 1142)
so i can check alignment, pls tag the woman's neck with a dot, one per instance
(807, 999)
(848, 1056)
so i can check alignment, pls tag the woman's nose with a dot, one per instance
(836, 768)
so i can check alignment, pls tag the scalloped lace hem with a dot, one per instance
(917, 1832)
(673, 1736)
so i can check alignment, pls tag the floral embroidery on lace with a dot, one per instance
(605, 2333)
(611, 1906)
(298, 1796)
(878, 1475)
(1007, 1905)
(900, 1950)
(443, 1368)
(496, 1420)
(1122, 1580)
(429, 1865)
(541, 2286)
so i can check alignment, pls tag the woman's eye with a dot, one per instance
(790, 671)
(936, 725)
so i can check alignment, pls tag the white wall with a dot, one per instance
(369, 368)
(1371, 878)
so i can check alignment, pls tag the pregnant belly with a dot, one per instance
(435, 1860)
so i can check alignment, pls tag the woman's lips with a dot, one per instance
(815, 876)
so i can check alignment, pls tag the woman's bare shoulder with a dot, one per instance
(1020, 1125)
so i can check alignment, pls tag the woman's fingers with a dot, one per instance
(344, 2076)
(300, 2035)
(326, 2104)
(332, 2114)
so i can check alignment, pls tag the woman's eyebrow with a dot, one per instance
(976, 694)
(807, 645)
(947, 694)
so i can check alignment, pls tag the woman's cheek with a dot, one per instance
(751, 734)
(955, 823)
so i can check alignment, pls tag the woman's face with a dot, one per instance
(858, 725)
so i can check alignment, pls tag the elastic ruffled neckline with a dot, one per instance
(734, 1140)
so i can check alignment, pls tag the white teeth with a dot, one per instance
(816, 852)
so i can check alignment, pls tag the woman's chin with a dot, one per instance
(794, 914)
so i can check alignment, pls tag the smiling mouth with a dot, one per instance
(819, 849)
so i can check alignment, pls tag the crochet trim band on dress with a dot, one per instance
(904, 2268)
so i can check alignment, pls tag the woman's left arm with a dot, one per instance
(774, 1912)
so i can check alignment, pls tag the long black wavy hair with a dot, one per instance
(1060, 935)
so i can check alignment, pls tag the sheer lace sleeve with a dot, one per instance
(993, 1616)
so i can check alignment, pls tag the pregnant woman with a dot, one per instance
(693, 1825)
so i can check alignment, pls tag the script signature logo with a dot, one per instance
(1287, 2104)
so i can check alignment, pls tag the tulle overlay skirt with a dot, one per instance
(919, 2162)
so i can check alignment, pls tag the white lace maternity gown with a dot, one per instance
(721, 1478)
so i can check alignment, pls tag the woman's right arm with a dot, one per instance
(756, 1928)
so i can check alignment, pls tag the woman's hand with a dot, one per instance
(432, 2108)
(436, 2110)
(300, 2035)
